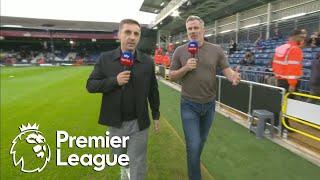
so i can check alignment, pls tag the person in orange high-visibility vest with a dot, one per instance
(287, 62)
(158, 56)
(166, 60)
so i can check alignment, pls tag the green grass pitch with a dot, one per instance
(56, 98)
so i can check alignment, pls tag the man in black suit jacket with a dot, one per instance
(126, 94)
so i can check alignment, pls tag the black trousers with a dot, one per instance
(284, 84)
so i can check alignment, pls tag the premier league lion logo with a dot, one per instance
(30, 150)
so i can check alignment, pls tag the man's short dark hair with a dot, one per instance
(296, 35)
(128, 21)
(295, 32)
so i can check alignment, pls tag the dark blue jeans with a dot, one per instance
(196, 120)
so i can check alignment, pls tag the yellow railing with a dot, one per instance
(284, 115)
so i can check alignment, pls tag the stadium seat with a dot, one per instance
(307, 72)
(266, 62)
(307, 55)
(306, 64)
(316, 49)
(307, 49)
(268, 50)
(259, 62)
(271, 55)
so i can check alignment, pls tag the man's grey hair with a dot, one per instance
(128, 21)
(192, 18)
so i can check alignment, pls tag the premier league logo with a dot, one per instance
(30, 150)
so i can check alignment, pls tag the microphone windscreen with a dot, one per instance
(126, 59)
(193, 47)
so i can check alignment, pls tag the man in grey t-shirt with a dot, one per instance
(198, 90)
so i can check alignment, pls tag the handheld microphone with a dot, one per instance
(193, 47)
(126, 60)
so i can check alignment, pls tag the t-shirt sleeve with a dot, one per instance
(222, 60)
(175, 63)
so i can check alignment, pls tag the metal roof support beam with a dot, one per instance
(268, 20)
(216, 30)
(158, 39)
(167, 11)
(237, 26)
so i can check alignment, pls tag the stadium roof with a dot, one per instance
(209, 10)
(31, 23)
(103, 15)
(96, 15)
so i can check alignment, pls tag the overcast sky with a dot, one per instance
(82, 10)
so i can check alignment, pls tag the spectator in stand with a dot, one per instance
(315, 40)
(276, 34)
(315, 77)
(304, 33)
(304, 36)
(232, 46)
(259, 43)
(248, 59)
(41, 61)
(269, 77)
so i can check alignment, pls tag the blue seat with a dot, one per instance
(269, 50)
(307, 72)
(263, 68)
(307, 49)
(265, 56)
(249, 68)
(259, 62)
(306, 63)
(266, 62)
(304, 85)
(235, 60)
(316, 49)
(307, 55)
(243, 68)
